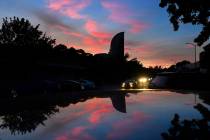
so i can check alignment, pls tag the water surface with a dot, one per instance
(112, 115)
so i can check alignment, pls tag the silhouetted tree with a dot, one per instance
(181, 66)
(22, 45)
(195, 12)
(126, 56)
(22, 36)
(204, 58)
(172, 68)
(133, 67)
(182, 63)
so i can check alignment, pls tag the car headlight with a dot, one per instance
(143, 80)
(131, 84)
(123, 85)
(150, 79)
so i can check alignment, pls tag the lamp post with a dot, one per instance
(195, 46)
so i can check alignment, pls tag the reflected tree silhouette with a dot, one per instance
(25, 121)
(23, 115)
(195, 129)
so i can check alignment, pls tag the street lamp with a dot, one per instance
(195, 46)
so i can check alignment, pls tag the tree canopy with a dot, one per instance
(20, 32)
(195, 12)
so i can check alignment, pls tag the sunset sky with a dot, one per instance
(90, 25)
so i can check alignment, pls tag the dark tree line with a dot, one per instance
(26, 54)
(27, 115)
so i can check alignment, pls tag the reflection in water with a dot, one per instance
(96, 115)
(21, 116)
(194, 129)
(118, 102)
(20, 119)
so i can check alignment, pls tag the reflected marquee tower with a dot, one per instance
(117, 47)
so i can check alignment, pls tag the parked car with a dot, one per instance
(129, 84)
(70, 85)
(87, 84)
(141, 83)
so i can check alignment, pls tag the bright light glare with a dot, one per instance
(131, 84)
(123, 85)
(150, 79)
(143, 80)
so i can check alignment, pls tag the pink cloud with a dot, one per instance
(189, 46)
(97, 38)
(91, 26)
(102, 35)
(98, 42)
(90, 41)
(68, 31)
(147, 53)
(57, 4)
(95, 29)
(120, 13)
(94, 41)
(138, 48)
(94, 45)
(70, 8)
(80, 133)
(136, 26)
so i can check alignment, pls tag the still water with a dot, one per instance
(91, 116)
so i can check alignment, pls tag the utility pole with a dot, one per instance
(195, 46)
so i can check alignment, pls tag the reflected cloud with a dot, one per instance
(80, 133)
(93, 115)
(97, 115)
(77, 133)
(61, 138)
(25, 118)
(125, 127)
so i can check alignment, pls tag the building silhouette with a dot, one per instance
(117, 47)
(116, 51)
